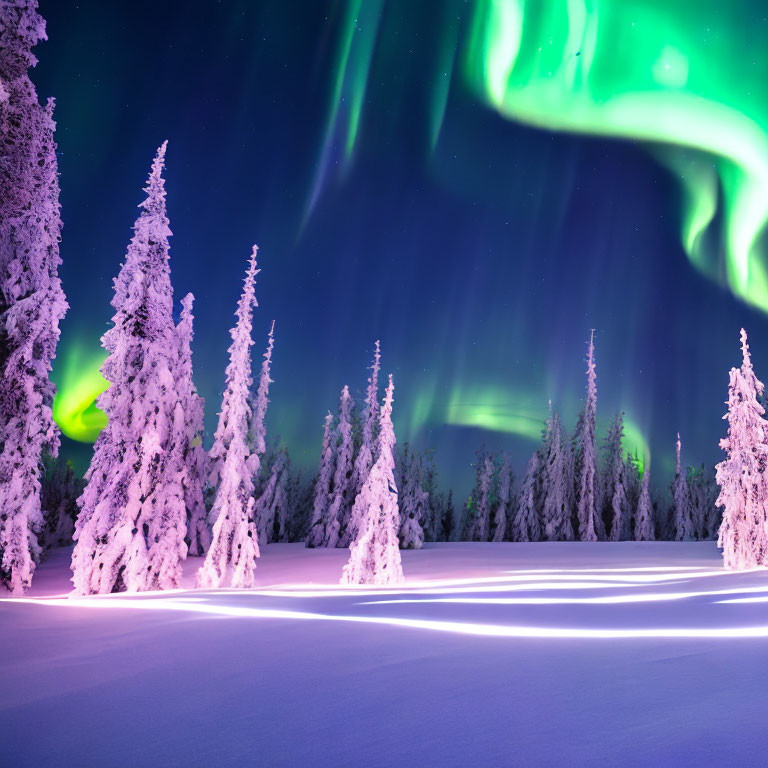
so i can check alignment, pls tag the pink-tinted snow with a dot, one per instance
(552, 654)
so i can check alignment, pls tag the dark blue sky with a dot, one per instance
(481, 262)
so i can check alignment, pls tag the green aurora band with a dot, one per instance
(499, 409)
(79, 382)
(669, 73)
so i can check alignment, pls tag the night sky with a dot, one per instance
(405, 182)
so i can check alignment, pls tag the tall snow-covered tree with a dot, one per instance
(587, 513)
(681, 500)
(616, 513)
(343, 492)
(502, 514)
(374, 555)
(413, 502)
(32, 301)
(231, 558)
(644, 510)
(133, 520)
(365, 455)
(555, 476)
(743, 475)
(195, 457)
(526, 523)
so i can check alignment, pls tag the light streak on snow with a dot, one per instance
(454, 627)
(603, 600)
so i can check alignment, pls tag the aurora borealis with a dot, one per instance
(476, 183)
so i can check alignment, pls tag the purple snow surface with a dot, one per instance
(204, 679)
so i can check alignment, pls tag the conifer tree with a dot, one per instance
(742, 475)
(132, 522)
(374, 555)
(231, 558)
(195, 458)
(587, 513)
(555, 506)
(644, 510)
(616, 505)
(369, 432)
(413, 503)
(32, 301)
(502, 513)
(480, 529)
(526, 525)
(320, 524)
(681, 500)
(342, 494)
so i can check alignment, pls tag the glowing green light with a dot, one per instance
(79, 383)
(649, 71)
(497, 409)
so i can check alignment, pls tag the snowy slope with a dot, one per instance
(631, 654)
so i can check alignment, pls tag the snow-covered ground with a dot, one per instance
(632, 654)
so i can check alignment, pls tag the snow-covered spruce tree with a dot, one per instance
(374, 555)
(133, 520)
(343, 492)
(320, 524)
(526, 525)
(681, 500)
(555, 498)
(743, 475)
(59, 490)
(501, 515)
(480, 529)
(32, 302)
(369, 434)
(644, 510)
(231, 558)
(195, 457)
(587, 513)
(414, 504)
(615, 505)
(272, 505)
